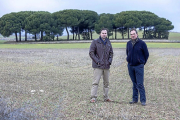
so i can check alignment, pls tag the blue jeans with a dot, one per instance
(136, 74)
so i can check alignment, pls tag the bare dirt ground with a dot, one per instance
(56, 83)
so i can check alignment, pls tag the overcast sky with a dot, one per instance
(169, 9)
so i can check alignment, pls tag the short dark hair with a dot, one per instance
(104, 29)
(134, 29)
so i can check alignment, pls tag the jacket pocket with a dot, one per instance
(141, 60)
(101, 63)
(128, 59)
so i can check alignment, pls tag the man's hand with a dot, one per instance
(98, 64)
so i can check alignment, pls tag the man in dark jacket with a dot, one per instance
(101, 53)
(137, 56)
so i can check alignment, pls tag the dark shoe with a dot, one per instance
(143, 104)
(108, 100)
(93, 100)
(132, 102)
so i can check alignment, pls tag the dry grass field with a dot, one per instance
(54, 84)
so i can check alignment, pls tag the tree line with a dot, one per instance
(84, 23)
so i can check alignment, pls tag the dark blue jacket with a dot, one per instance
(137, 54)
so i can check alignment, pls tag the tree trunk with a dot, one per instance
(57, 37)
(16, 37)
(76, 37)
(88, 34)
(159, 35)
(35, 37)
(73, 35)
(91, 34)
(115, 34)
(50, 37)
(154, 34)
(67, 33)
(128, 33)
(73, 32)
(53, 36)
(78, 34)
(25, 35)
(122, 34)
(41, 35)
(144, 33)
(20, 36)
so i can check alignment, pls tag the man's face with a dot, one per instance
(103, 34)
(134, 35)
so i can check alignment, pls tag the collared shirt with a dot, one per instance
(103, 41)
(134, 41)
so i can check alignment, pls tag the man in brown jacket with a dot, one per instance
(101, 53)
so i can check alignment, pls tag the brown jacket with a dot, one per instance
(100, 53)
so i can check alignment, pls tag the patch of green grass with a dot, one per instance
(150, 45)
(118, 45)
(46, 46)
(82, 45)
(174, 36)
(2, 41)
(163, 45)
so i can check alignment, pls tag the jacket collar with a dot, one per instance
(100, 40)
(135, 40)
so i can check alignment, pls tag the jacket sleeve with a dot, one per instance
(146, 52)
(126, 51)
(92, 52)
(110, 55)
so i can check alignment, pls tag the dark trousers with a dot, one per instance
(136, 74)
